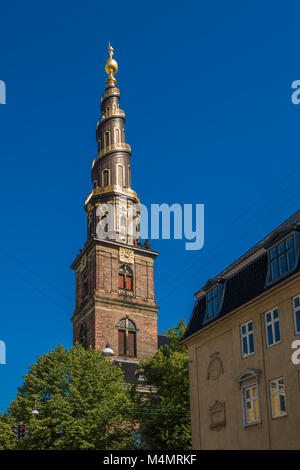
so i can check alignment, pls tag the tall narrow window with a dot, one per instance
(129, 177)
(251, 405)
(120, 175)
(117, 135)
(82, 337)
(107, 139)
(127, 337)
(121, 336)
(125, 278)
(212, 303)
(272, 327)
(105, 177)
(247, 339)
(278, 402)
(85, 285)
(296, 305)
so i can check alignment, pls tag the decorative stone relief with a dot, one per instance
(215, 367)
(217, 415)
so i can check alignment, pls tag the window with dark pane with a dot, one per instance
(125, 278)
(282, 258)
(272, 327)
(127, 337)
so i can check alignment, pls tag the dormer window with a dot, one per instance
(214, 300)
(282, 258)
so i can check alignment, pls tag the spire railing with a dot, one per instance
(117, 112)
(109, 148)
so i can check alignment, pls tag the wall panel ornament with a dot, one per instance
(217, 415)
(215, 367)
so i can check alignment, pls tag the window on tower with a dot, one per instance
(117, 135)
(82, 336)
(125, 278)
(127, 337)
(107, 139)
(120, 176)
(105, 177)
(85, 286)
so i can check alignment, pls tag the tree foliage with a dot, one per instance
(165, 418)
(82, 400)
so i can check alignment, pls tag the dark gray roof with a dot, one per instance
(245, 284)
(293, 219)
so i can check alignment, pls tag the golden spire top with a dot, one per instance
(111, 65)
(110, 50)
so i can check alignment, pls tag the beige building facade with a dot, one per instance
(242, 341)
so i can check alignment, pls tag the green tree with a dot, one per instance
(165, 417)
(82, 400)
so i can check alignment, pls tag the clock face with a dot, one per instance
(126, 255)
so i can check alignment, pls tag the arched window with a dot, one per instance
(129, 177)
(127, 337)
(125, 278)
(107, 139)
(82, 336)
(120, 176)
(105, 177)
(123, 224)
(117, 135)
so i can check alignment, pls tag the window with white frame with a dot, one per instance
(251, 405)
(247, 339)
(278, 401)
(214, 300)
(272, 327)
(296, 306)
(282, 258)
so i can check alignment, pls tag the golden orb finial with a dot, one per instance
(111, 65)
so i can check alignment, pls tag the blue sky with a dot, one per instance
(206, 87)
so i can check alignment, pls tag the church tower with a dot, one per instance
(115, 307)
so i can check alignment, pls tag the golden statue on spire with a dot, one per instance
(111, 65)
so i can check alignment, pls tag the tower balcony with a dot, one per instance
(109, 113)
(112, 147)
(109, 92)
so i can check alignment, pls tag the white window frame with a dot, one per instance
(295, 310)
(246, 335)
(278, 394)
(272, 322)
(244, 402)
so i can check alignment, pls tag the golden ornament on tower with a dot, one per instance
(111, 65)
